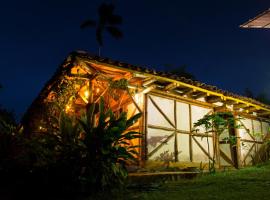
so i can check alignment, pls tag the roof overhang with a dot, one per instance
(260, 21)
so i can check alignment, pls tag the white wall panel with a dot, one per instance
(243, 132)
(183, 147)
(166, 105)
(182, 116)
(155, 137)
(225, 148)
(245, 148)
(167, 147)
(154, 117)
(198, 113)
(257, 130)
(265, 127)
(198, 154)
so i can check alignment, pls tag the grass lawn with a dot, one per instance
(248, 183)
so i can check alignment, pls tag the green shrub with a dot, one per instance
(87, 155)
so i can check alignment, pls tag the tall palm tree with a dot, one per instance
(107, 20)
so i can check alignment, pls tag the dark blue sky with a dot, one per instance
(36, 36)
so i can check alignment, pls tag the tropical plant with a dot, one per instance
(166, 157)
(107, 147)
(108, 21)
(262, 154)
(217, 123)
(7, 130)
(88, 154)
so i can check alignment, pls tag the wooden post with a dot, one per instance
(175, 133)
(216, 147)
(91, 90)
(254, 138)
(190, 134)
(144, 137)
(262, 134)
(238, 145)
(143, 130)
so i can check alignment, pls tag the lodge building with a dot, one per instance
(170, 105)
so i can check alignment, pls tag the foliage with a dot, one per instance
(262, 97)
(263, 153)
(217, 123)
(108, 147)
(181, 71)
(166, 157)
(119, 84)
(65, 95)
(7, 121)
(88, 154)
(7, 139)
(70, 155)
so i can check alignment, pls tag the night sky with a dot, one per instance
(36, 36)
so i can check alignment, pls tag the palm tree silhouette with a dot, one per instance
(107, 20)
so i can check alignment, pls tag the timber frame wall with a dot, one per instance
(145, 88)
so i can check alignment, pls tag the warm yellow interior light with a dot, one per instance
(86, 94)
(97, 90)
(67, 108)
(137, 98)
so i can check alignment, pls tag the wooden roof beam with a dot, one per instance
(170, 86)
(229, 102)
(193, 95)
(200, 95)
(252, 109)
(188, 92)
(222, 108)
(263, 114)
(80, 76)
(148, 89)
(240, 105)
(148, 81)
(213, 99)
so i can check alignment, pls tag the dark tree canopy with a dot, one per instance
(262, 97)
(180, 71)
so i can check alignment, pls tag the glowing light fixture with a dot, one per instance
(97, 90)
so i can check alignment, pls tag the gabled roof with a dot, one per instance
(260, 21)
(166, 82)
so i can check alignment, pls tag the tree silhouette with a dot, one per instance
(107, 21)
(6, 116)
(248, 93)
(180, 71)
(262, 97)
